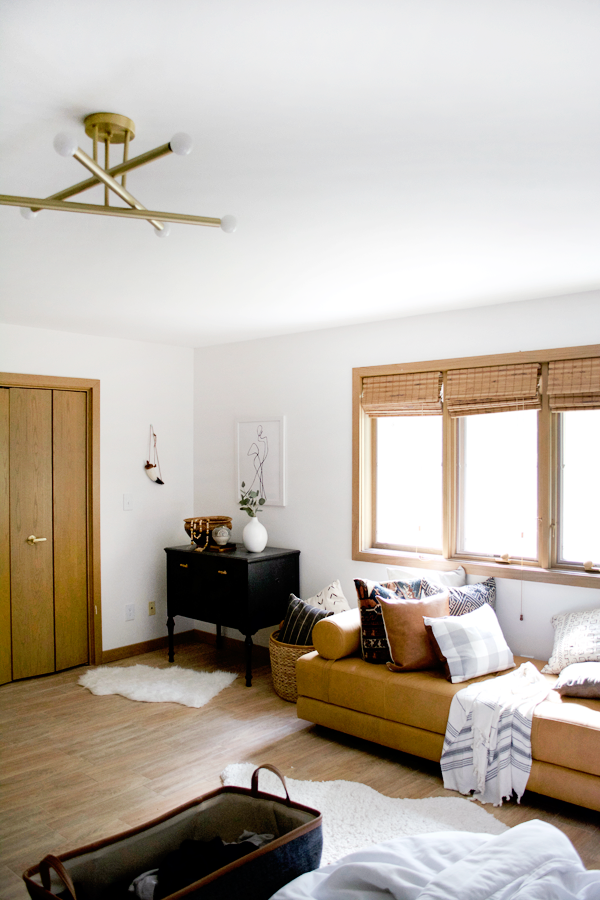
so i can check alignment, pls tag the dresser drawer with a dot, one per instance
(204, 588)
(224, 592)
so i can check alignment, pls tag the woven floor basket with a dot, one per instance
(283, 666)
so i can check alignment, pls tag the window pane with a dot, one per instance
(409, 483)
(579, 534)
(498, 484)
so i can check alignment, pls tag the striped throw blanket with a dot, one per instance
(487, 747)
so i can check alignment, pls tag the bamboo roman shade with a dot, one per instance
(574, 384)
(490, 389)
(412, 394)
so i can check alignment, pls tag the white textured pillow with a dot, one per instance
(576, 639)
(455, 578)
(330, 598)
(471, 645)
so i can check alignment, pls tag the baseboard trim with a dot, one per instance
(160, 643)
(184, 637)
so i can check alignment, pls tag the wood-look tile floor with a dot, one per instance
(76, 767)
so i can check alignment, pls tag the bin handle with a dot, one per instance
(53, 862)
(275, 770)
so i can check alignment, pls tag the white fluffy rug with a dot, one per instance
(172, 685)
(354, 815)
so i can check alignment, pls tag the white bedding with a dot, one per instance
(533, 861)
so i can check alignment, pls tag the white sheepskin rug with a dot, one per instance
(355, 815)
(172, 685)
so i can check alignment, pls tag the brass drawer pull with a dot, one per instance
(183, 565)
(221, 572)
(32, 539)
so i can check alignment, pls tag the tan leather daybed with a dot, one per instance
(409, 710)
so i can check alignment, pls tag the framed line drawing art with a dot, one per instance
(261, 458)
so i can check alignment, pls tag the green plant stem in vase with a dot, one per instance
(250, 502)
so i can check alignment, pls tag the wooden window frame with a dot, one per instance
(364, 446)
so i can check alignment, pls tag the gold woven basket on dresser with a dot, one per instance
(283, 666)
(206, 523)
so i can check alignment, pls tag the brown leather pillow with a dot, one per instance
(410, 646)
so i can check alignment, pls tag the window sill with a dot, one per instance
(388, 557)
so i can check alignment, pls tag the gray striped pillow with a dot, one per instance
(299, 622)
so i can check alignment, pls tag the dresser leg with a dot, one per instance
(248, 643)
(171, 628)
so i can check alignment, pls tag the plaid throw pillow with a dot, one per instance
(471, 645)
(373, 639)
(465, 599)
(300, 619)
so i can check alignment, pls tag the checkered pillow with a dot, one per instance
(471, 645)
(465, 599)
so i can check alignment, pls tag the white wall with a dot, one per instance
(307, 378)
(140, 384)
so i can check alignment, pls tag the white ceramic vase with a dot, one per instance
(254, 535)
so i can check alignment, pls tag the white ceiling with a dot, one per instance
(383, 158)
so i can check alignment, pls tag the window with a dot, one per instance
(409, 506)
(579, 534)
(497, 485)
(486, 461)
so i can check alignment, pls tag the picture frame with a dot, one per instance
(261, 458)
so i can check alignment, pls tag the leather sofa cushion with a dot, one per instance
(421, 699)
(565, 731)
(338, 635)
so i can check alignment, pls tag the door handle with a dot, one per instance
(33, 540)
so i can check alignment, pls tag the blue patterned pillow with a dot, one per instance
(465, 599)
(373, 639)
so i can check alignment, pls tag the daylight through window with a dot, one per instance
(480, 460)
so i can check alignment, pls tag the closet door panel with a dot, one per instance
(70, 529)
(5, 635)
(32, 582)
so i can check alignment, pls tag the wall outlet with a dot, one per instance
(129, 612)
(152, 608)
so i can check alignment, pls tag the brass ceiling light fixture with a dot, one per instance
(112, 128)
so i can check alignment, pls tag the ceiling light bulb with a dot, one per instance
(65, 144)
(28, 213)
(228, 224)
(164, 232)
(181, 143)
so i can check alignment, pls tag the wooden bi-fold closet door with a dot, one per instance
(43, 435)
